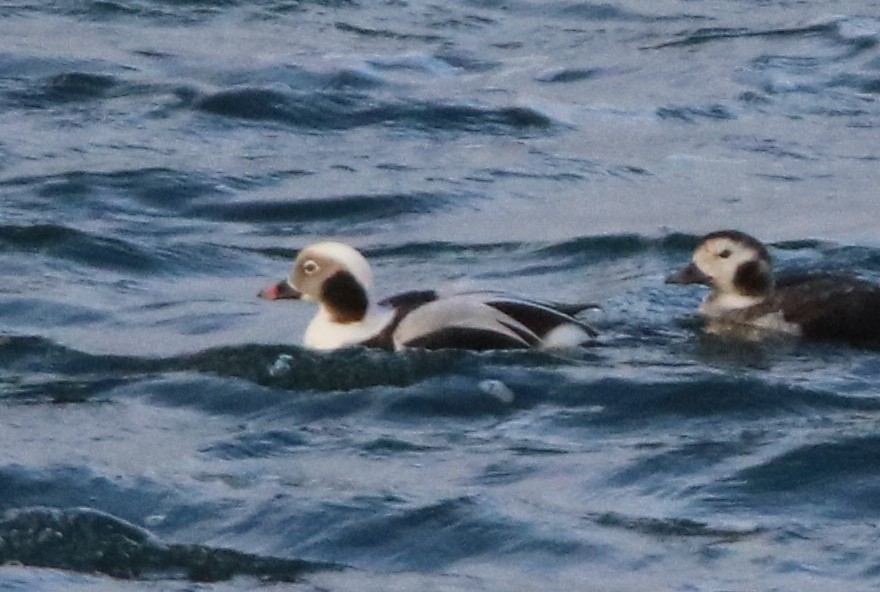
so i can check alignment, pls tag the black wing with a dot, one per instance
(831, 306)
(403, 304)
(409, 300)
(539, 317)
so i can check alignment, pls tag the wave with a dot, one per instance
(672, 527)
(690, 114)
(589, 11)
(837, 477)
(568, 75)
(335, 209)
(72, 87)
(69, 85)
(109, 10)
(322, 111)
(70, 244)
(148, 256)
(814, 465)
(386, 33)
(605, 246)
(593, 247)
(712, 34)
(620, 402)
(154, 187)
(394, 535)
(410, 385)
(280, 367)
(87, 540)
(433, 249)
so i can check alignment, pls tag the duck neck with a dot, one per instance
(720, 303)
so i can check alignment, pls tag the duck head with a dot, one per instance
(333, 274)
(735, 266)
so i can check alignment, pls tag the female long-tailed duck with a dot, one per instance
(339, 279)
(744, 293)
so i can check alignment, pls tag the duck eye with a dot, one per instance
(310, 267)
(724, 254)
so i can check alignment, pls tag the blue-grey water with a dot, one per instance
(162, 429)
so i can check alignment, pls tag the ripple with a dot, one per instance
(712, 34)
(581, 249)
(388, 446)
(75, 245)
(258, 445)
(589, 11)
(691, 114)
(347, 208)
(387, 33)
(815, 464)
(614, 401)
(426, 537)
(61, 486)
(837, 477)
(433, 249)
(569, 75)
(36, 313)
(606, 246)
(155, 187)
(79, 86)
(671, 527)
(344, 111)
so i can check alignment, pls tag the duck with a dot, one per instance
(339, 279)
(745, 293)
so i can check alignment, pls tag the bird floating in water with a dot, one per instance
(339, 279)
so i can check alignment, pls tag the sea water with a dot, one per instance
(162, 428)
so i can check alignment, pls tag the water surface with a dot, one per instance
(160, 162)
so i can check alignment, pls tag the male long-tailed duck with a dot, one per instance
(339, 279)
(744, 293)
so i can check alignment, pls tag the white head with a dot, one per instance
(322, 262)
(735, 267)
(334, 274)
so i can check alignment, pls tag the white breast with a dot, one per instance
(718, 305)
(322, 333)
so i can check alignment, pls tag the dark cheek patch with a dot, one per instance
(752, 279)
(344, 297)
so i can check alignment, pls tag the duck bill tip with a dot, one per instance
(690, 274)
(280, 291)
